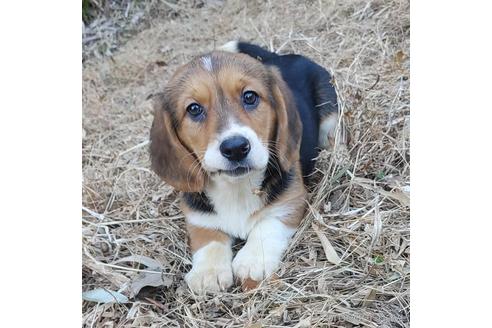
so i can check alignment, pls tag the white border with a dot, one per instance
(40, 133)
(450, 147)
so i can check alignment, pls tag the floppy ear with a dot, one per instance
(171, 160)
(289, 127)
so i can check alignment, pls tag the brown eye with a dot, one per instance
(250, 100)
(196, 111)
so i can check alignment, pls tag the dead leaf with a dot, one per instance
(369, 298)
(144, 279)
(101, 295)
(330, 253)
(152, 276)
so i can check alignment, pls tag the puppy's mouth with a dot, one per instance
(236, 172)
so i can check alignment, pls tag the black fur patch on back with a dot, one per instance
(198, 201)
(276, 181)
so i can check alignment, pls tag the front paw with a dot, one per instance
(253, 265)
(203, 279)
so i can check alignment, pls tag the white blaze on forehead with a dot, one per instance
(206, 63)
(230, 46)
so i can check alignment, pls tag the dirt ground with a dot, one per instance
(359, 208)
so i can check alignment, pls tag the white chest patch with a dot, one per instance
(206, 63)
(234, 203)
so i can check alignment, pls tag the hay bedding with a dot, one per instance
(359, 210)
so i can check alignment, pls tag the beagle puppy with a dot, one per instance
(237, 131)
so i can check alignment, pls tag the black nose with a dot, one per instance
(235, 148)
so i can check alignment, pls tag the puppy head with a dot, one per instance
(223, 113)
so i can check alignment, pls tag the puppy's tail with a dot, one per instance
(248, 49)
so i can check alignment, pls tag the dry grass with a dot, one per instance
(361, 203)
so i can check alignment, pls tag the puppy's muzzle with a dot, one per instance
(235, 148)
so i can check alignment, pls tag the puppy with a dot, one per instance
(237, 131)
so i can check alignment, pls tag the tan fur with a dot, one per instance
(289, 126)
(200, 237)
(234, 83)
(295, 197)
(170, 158)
